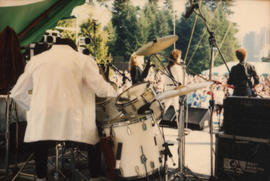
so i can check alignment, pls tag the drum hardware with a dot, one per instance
(128, 131)
(152, 165)
(143, 160)
(58, 148)
(124, 77)
(118, 158)
(170, 94)
(167, 153)
(10, 108)
(144, 127)
(155, 140)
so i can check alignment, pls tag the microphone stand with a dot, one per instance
(213, 44)
(166, 72)
(95, 40)
(122, 74)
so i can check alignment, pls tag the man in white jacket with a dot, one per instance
(177, 72)
(61, 106)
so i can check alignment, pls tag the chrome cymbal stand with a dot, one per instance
(59, 156)
(182, 117)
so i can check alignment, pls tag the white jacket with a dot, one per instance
(62, 104)
(178, 74)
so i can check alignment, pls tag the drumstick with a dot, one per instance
(118, 155)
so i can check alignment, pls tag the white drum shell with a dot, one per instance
(136, 139)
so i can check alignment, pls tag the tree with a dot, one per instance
(134, 27)
(129, 29)
(159, 23)
(68, 25)
(98, 44)
(224, 32)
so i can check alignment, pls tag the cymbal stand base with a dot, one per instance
(167, 153)
(185, 175)
(212, 178)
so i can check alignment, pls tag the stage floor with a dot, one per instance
(197, 153)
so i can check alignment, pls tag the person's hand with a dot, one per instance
(230, 86)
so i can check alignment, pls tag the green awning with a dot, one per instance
(31, 20)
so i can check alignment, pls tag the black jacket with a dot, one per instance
(137, 75)
(243, 75)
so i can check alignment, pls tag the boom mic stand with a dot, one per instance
(213, 44)
(122, 74)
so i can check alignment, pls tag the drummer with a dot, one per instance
(62, 104)
(135, 68)
(176, 72)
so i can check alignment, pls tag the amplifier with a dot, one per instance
(242, 158)
(247, 116)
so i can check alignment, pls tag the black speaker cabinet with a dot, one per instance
(245, 116)
(197, 116)
(242, 158)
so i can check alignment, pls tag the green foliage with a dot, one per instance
(224, 32)
(127, 30)
(87, 30)
(97, 37)
(67, 23)
(133, 27)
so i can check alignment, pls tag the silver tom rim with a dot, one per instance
(128, 121)
(120, 103)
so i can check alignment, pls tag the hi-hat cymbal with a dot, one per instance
(157, 45)
(182, 90)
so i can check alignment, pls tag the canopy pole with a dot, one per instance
(22, 34)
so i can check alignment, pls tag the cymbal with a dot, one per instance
(182, 90)
(157, 45)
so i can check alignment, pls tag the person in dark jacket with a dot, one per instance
(243, 76)
(137, 74)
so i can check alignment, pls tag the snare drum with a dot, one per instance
(140, 151)
(132, 99)
(106, 110)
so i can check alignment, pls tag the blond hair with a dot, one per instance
(132, 61)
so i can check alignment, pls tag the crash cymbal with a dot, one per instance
(182, 90)
(157, 45)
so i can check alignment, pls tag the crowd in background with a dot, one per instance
(201, 97)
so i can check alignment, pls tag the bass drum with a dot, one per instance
(141, 145)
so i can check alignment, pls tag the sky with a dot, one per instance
(251, 15)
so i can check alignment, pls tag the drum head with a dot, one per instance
(132, 93)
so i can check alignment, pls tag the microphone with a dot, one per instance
(190, 9)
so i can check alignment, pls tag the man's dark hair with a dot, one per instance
(241, 54)
(66, 41)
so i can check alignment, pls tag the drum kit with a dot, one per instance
(132, 122)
